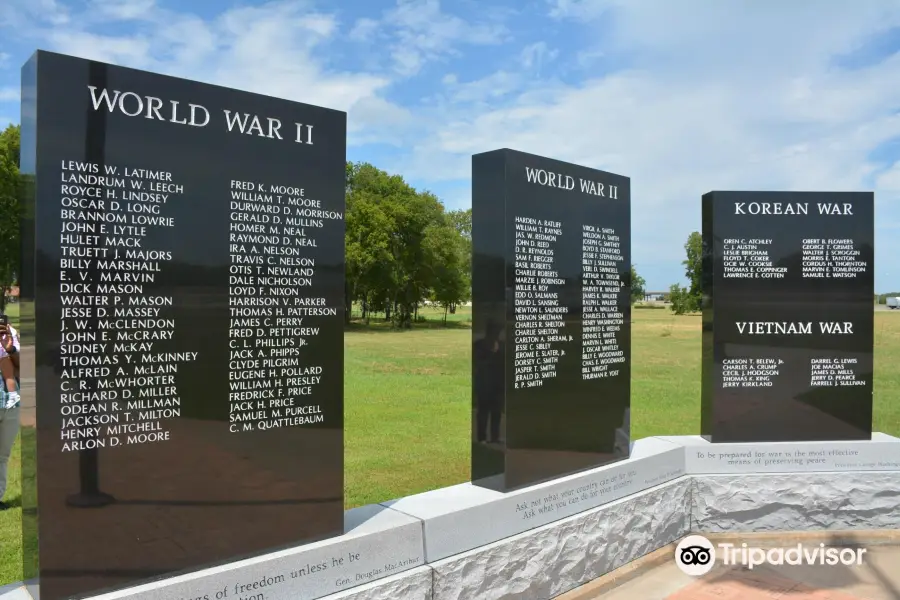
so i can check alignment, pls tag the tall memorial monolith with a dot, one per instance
(788, 286)
(551, 340)
(184, 263)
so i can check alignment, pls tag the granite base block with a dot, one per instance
(641, 504)
(14, 591)
(379, 543)
(463, 517)
(795, 502)
(414, 584)
(881, 453)
(552, 559)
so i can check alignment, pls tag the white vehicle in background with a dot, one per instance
(893, 303)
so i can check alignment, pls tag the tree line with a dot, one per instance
(402, 247)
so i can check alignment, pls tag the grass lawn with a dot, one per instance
(12, 311)
(407, 397)
(11, 524)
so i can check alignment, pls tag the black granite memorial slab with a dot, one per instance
(788, 317)
(187, 278)
(551, 339)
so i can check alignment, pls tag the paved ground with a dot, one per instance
(26, 382)
(878, 578)
(880, 307)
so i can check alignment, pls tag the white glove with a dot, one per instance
(12, 400)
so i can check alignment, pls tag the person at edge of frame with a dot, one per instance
(9, 398)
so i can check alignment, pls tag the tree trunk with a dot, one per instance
(348, 305)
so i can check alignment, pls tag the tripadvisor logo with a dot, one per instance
(696, 555)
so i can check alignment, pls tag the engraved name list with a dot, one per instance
(118, 379)
(274, 309)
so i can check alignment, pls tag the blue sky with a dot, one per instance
(683, 97)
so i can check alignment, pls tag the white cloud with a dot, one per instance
(586, 58)
(375, 120)
(123, 10)
(272, 49)
(889, 180)
(535, 56)
(420, 32)
(683, 97)
(9, 94)
(714, 99)
(364, 30)
(496, 85)
(22, 13)
(128, 51)
(579, 9)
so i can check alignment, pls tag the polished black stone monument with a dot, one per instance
(551, 339)
(788, 282)
(186, 272)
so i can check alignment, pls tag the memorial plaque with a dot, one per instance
(881, 453)
(188, 280)
(463, 517)
(551, 318)
(788, 282)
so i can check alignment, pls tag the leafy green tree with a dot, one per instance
(402, 247)
(409, 216)
(693, 264)
(10, 208)
(370, 261)
(682, 302)
(373, 273)
(638, 285)
(690, 299)
(445, 252)
(461, 220)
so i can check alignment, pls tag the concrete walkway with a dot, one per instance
(878, 578)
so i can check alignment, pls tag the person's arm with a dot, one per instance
(18, 346)
(11, 345)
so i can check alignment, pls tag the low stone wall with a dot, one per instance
(466, 542)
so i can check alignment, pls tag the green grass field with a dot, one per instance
(12, 311)
(408, 403)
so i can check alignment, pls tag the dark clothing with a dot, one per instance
(489, 387)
